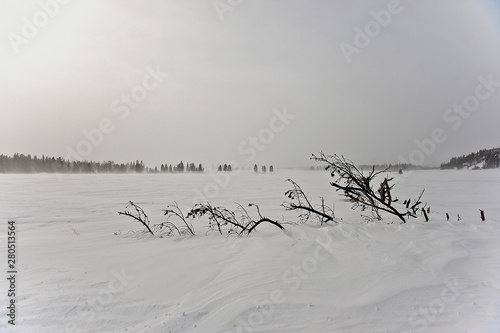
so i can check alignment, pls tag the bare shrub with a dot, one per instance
(301, 203)
(359, 188)
(175, 211)
(224, 220)
(161, 229)
(220, 219)
(138, 215)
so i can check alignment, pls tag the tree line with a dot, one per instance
(489, 157)
(228, 168)
(189, 167)
(225, 168)
(20, 163)
(263, 168)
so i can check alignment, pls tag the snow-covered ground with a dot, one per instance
(77, 275)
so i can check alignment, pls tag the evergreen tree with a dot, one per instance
(139, 166)
(180, 167)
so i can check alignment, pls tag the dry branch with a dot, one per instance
(357, 187)
(175, 211)
(302, 204)
(222, 219)
(139, 215)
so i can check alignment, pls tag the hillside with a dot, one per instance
(483, 159)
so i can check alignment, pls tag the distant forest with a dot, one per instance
(19, 163)
(483, 159)
(395, 167)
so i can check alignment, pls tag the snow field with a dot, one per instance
(76, 275)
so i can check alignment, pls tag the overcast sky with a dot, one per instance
(249, 81)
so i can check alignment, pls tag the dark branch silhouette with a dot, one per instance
(222, 219)
(357, 187)
(303, 205)
(175, 211)
(139, 215)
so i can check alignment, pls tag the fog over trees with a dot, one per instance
(20, 163)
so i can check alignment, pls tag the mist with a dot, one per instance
(250, 82)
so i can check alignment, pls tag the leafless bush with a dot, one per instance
(358, 187)
(138, 215)
(301, 203)
(175, 211)
(220, 219)
(161, 229)
(347, 178)
(224, 220)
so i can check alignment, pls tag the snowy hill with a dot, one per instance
(483, 159)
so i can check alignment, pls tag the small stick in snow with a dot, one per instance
(425, 215)
(482, 215)
(447, 217)
(459, 218)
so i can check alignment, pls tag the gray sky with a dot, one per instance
(340, 81)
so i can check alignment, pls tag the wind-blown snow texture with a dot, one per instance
(76, 275)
